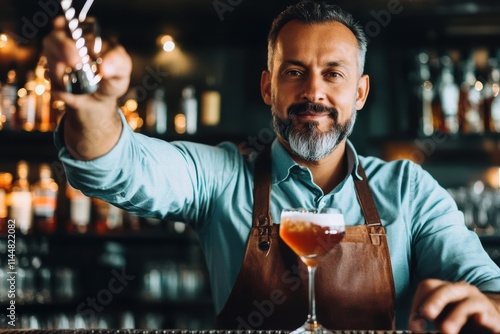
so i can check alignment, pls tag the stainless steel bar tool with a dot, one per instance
(84, 79)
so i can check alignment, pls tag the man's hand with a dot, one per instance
(454, 307)
(92, 124)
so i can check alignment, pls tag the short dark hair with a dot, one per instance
(310, 11)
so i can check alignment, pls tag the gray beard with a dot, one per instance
(310, 143)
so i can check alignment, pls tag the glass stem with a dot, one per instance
(311, 318)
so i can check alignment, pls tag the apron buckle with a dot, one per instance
(264, 234)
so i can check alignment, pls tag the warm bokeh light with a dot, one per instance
(40, 89)
(3, 40)
(478, 86)
(496, 89)
(180, 123)
(134, 121)
(131, 105)
(22, 92)
(58, 105)
(427, 85)
(169, 46)
(492, 177)
(167, 43)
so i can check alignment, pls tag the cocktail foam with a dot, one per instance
(322, 219)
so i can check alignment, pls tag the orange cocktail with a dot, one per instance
(311, 234)
(308, 239)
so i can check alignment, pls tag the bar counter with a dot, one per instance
(183, 331)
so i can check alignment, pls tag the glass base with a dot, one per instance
(309, 328)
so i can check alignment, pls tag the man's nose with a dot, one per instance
(313, 88)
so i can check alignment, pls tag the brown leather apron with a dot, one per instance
(354, 281)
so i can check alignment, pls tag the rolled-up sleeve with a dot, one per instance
(152, 177)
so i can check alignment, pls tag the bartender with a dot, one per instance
(418, 264)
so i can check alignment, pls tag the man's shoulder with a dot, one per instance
(194, 148)
(375, 165)
(377, 168)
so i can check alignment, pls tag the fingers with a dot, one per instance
(451, 306)
(60, 51)
(62, 55)
(435, 301)
(115, 68)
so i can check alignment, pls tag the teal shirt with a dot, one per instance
(210, 188)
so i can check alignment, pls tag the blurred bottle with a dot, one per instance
(190, 109)
(25, 282)
(45, 201)
(156, 113)
(21, 200)
(491, 94)
(107, 217)
(27, 103)
(9, 100)
(3, 118)
(210, 103)
(425, 93)
(5, 184)
(4, 283)
(43, 273)
(470, 100)
(42, 98)
(449, 94)
(79, 209)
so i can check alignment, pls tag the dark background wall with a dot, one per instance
(226, 41)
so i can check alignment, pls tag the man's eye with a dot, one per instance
(334, 74)
(293, 73)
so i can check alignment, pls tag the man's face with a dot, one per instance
(314, 87)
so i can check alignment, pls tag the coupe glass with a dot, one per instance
(311, 233)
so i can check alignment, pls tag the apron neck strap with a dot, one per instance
(262, 193)
(262, 198)
(365, 199)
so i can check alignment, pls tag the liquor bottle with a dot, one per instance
(425, 94)
(156, 113)
(470, 101)
(45, 201)
(491, 93)
(27, 103)
(79, 210)
(42, 97)
(107, 216)
(21, 200)
(5, 184)
(449, 94)
(190, 109)
(9, 100)
(210, 103)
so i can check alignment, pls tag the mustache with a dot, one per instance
(313, 108)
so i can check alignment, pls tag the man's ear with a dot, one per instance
(363, 89)
(265, 87)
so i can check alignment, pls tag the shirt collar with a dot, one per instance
(283, 163)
